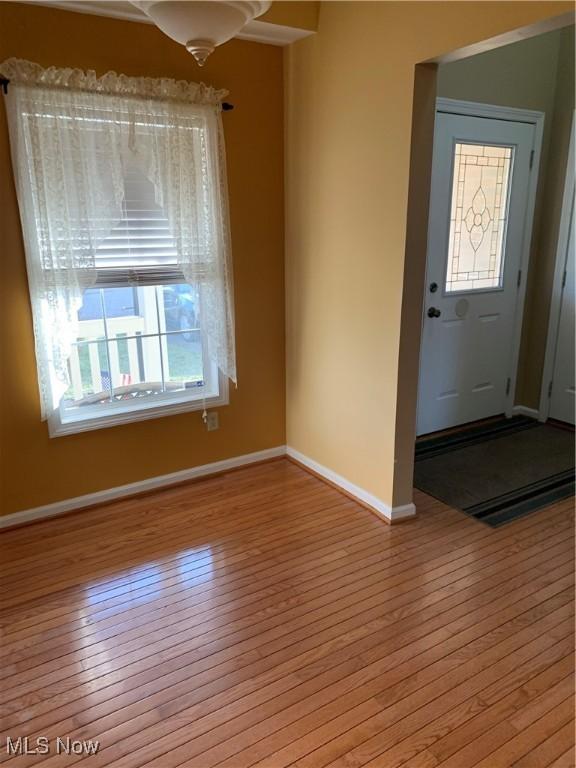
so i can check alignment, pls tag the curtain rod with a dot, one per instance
(4, 81)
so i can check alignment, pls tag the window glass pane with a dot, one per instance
(144, 341)
(90, 316)
(120, 302)
(130, 311)
(88, 368)
(182, 355)
(178, 307)
(135, 367)
(478, 216)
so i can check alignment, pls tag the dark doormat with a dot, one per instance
(498, 471)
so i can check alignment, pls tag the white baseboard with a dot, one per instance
(523, 410)
(390, 514)
(110, 494)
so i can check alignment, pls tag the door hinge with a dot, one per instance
(508, 383)
(519, 280)
(550, 389)
(564, 279)
(531, 159)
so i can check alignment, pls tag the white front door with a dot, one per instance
(562, 393)
(478, 208)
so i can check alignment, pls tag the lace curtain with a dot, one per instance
(72, 135)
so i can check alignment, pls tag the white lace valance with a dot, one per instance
(29, 73)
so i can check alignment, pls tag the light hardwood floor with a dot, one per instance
(262, 618)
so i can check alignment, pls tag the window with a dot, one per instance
(122, 191)
(479, 212)
(139, 348)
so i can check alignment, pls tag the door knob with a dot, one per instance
(433, 312)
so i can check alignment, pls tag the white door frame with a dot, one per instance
(556, 300)
(495, 112)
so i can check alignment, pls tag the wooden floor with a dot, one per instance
(262, 618)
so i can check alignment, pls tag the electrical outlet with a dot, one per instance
(212, 421)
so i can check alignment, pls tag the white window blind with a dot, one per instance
(140, 248)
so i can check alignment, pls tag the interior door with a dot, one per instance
(479, 200)
(562, 394)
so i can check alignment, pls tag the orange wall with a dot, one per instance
(37, 470)
(302, 14)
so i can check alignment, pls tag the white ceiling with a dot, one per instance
(257, 31)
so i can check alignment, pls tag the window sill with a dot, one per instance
(59, 428)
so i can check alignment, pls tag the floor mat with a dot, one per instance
(500, 470)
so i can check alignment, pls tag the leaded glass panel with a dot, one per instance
(478, 215)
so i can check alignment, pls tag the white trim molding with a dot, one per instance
(524, 410)
(102, 417)
(481, 109)
(390, 514)
(141, 486)
(256, 31)
(557, 285)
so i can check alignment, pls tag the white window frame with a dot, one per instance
(125, 412)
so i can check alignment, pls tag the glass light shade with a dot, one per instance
(201, 25)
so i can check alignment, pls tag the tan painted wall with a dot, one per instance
(38, 470)
(526, 75)
(349, 92)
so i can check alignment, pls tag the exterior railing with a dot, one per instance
(101, 377)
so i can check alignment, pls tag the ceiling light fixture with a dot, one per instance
(201, 25)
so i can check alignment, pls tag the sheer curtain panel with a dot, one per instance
(73, 136)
